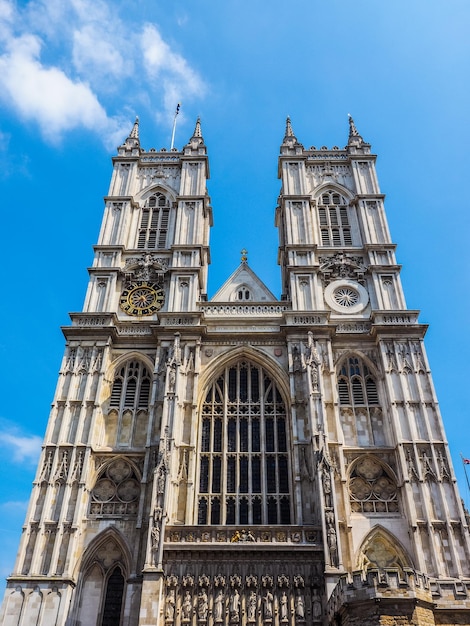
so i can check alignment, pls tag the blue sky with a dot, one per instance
(73, 76)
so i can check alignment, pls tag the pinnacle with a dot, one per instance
(197, 129)
(352, 127)
(135, 129)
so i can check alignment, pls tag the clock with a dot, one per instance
(142, 298)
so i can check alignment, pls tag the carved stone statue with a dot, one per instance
(202, 605)
(268, 605)
(219, 606)
(235, 606)
(186, 608)
(300, 608)
(284, 607)
(170, 606)
(252, 606)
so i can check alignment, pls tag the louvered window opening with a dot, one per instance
(153, 229)
(356, 385)
(131, 387)
(335, 229)
(244, 463)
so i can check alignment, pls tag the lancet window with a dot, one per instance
(154, 221)
(335, 229)
(361, 414)
(244, 461)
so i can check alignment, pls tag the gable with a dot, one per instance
(244, 286)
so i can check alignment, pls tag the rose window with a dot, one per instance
(346, 296)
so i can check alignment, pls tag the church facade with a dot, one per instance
(246, 460)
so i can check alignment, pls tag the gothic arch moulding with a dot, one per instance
(382, 550)
(119, 361)
(221, 361)
(331, 186)
(146, 193)
(106, 557)
(360, 355)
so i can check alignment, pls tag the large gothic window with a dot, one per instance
(244, 462)
(335, 229)
(361, 415)
(153, 229)
(126, 422)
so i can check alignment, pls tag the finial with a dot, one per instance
(197, 129)
(135, 130)
(352, 127)
(244, 253)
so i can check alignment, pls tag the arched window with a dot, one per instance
(372, 489)
(113, 600)
(126, 422)
(244, 461)
(335, 229)
(154, 223)
(117, 491)
(242, 293)
(361, 415)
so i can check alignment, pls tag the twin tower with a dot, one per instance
(244, 460)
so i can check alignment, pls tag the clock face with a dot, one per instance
(142, 298)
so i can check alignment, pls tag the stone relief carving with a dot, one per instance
(146, 267)
(342, 265)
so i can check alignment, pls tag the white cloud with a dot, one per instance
(64, 62)
(172, 70)
(96, 57)
(14, 506)
(19, 447)
(46, 94)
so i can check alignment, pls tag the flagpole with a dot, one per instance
(465, 470)
(174, 126)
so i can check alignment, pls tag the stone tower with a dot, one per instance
(244, 460)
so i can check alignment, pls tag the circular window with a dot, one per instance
(346, 296)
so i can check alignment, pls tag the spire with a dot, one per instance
(352, 127)
(290, 140)
(289, 132)
(132, 143)
(135, 129)
(354, 138)
(196, 143)
(197, 128)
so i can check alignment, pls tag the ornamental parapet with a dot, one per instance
(179, 319)
(394, 318)
(92, 320)
(378, 584)
(243, 310)
(307, 318)
(252, 536)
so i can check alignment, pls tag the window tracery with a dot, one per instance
(244, 465)
(335, 229)
(154, 221)
(126, 422)
(360, 411)
(371, 488)
(116, 491)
